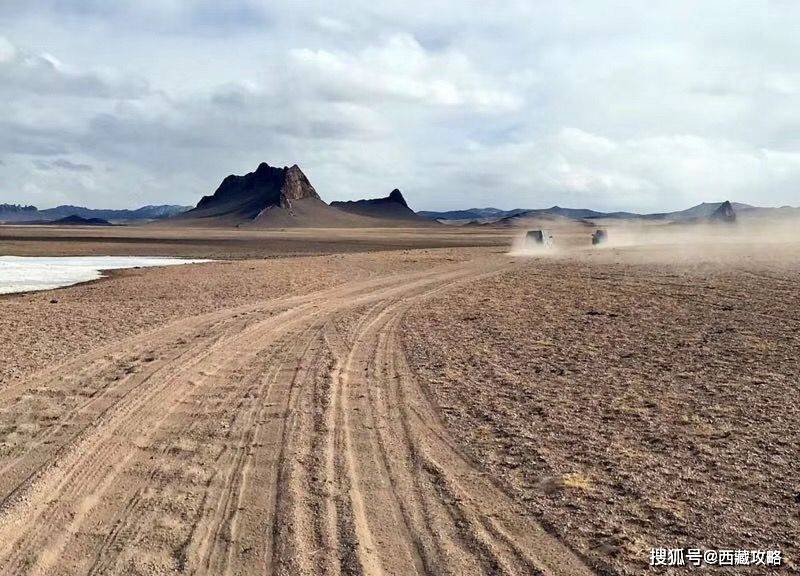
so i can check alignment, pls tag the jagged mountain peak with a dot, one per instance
(397, 196)
(249, 195)
(724, 213)
(391, 207)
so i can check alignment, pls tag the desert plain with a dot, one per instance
(400, 401)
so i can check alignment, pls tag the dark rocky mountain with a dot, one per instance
(16, 213)
(724, 214)
(270, 197)
(76, 220)
(248, 196)
(392, 207)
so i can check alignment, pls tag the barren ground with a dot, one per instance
(231, 243)
(440, 410)
(630, 398)
(249, 417)
(42, 329)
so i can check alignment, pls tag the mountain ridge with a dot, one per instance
(15, 213)
(391, 207)
(700, 211)
(251, 196)
(272, 197)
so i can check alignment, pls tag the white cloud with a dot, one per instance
(579, 169)
(7, 50)
(579, 140)
(25, 74)
(401, 69)
(333, 25)
(599, 104)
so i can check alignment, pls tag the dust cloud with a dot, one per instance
(748, 239)
(520, 246)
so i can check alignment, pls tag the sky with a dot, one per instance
(600, 104)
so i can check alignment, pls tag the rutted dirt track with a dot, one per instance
(288, 437)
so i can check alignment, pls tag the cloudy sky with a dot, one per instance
(510, 104)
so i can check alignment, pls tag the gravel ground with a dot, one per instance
(631, 398)
(40, 329)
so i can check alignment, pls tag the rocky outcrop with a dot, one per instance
(269, 197)
(296, 186)
(250, 195)
(725, 214)
(393, 206)
(273, 197)
(397, 197)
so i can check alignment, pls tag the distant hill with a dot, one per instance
(76, 220)
(16, 209)
(780, 212)
(393, 207)
(487, 215)
(724, 213)
(469, 214)
(701, 211)
(11, 213)
(577, 213)
(284, 197)
(270, 197)
(67, 221)
(533, 218)
(704, 211)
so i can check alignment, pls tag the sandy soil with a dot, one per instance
(250, 417)
(238, 243)
(632, 398)
(445, 410)
(42, 329)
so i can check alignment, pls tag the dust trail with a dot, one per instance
(522, 247)
(214, 453)
(750, 236)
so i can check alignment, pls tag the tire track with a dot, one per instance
(85, 465)
(265, 440)
(439, 516)
(133, 520)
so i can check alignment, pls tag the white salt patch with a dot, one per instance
(24, 274)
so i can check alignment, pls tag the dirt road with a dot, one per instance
(287, 437)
